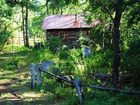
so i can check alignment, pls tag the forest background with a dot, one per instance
(115, 44)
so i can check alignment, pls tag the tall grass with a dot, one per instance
(71, 62)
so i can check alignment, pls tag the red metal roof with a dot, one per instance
(66, 22)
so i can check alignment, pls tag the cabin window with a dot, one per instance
(63, 35)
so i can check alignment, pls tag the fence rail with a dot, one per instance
(44, 68)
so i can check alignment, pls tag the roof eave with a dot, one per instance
(68, 28)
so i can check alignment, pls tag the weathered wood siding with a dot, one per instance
(68, 36)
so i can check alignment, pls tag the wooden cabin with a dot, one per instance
(67, 27)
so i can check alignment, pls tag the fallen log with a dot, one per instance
(102, 76)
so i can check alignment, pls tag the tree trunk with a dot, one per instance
(116, 36)
(26, 26)
(23, 26)
(47, 8)
(61, 10)
(53, 10)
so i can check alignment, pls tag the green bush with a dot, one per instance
(131, 62)
(54, 44)
(98, 62)
(64, 53)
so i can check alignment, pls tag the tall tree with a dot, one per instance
(26, 25)
(24, 11)
(23, 23)
(114, 9)
(24, 6)
(47, 7)
(116, 36)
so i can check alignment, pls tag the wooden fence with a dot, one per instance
(44, 68)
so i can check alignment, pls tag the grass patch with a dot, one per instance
(15, 69)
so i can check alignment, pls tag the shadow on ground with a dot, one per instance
(15, 90)
(15, 82)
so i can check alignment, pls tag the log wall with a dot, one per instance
(68, 36)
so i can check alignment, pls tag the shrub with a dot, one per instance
(54, 44)
(131, 61)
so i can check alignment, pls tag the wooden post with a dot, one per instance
(79, 90)
(39, 74)
(32, 72)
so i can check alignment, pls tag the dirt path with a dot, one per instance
(15, 89)
(12, 97)
(15, 84)
(9, 96)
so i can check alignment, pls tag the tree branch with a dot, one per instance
(106, 9)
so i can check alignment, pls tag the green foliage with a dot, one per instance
(4, 9)
(111, 99)
(15, 57)
(11, 3)
(71, 57)
(71, 61)
(14, 49)
(65, 6)
(134, 15)
(34, 27)
(54, 44)
(98, 62)
(4, 35)
(63, 92)
(64, 52)
(84, 40)
(5, 14)
(131, 61)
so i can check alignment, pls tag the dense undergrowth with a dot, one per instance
(71, 62)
